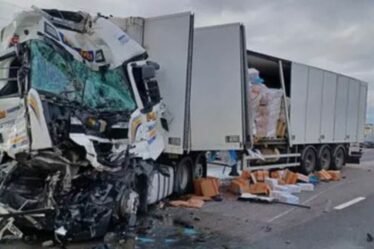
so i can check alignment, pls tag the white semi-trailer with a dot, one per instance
(210, 102)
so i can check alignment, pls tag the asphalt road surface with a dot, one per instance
(341, 216)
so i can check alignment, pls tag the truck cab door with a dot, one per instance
(13, 132)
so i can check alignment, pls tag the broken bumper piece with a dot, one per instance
(94, 203)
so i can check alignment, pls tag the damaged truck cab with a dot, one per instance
(79, 121)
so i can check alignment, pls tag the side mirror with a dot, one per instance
(154, 91)
(149, 70)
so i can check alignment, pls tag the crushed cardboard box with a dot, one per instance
(246, 174)
(302, 178)
(276, 174)
(190, 203)
(259, 188)
(261, 175)
(323, 175)
(290, 177)
(335, 175)
(271, 182)
(239, 186)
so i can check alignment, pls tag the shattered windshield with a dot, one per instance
(55, 72)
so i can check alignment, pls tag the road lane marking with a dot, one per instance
(349, 203)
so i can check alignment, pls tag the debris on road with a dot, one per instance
(190, 203)
(335, 175)
(369, 237)
(328, 206)
(207, 187)
(278, 185)
(323, 175)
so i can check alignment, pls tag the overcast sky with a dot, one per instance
(333, 34)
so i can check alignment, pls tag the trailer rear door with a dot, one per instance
(328, 107)
(168, 41)
(352, 110)
(341, 103)
(362, 111)
(298, 107)
(218, 104)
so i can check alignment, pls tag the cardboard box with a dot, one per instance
(259, 188)
(323, 175)
(253, 178)
(302, 178)
(191, 203)
(197, 186)
(216, 182)
(207, 187)
(275, 174)
(261, 174)
(246, 174)
(271, 182)
(290, 177)
(239, 186)
(335, 175)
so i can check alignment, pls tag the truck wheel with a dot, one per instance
(308, 160)
(183, 176)
(324, 157)
(200, 166)
(338, 158)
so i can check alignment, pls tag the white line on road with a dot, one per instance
(349, 203)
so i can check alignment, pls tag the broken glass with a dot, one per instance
(55, 72)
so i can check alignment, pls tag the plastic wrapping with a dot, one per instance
(268, 111)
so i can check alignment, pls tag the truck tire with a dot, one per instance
(324, 157)
(338, 158)
(200, 166)
(308, 159)
(183, 176)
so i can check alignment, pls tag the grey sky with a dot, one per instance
(333, 34)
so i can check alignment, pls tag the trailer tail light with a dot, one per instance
(14, 40)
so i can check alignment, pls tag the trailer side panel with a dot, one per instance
(314, 105)
(362, 112)
(328, 107)
(341, 109)
(353, 104)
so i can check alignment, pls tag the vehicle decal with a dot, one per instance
(88, 55)
(17, 139)
(34, 107)
(134, 127)
(151, 116)
(123, 39)
(3, 114)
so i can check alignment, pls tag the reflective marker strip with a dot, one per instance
(349, 203)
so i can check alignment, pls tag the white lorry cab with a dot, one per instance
(80, 122)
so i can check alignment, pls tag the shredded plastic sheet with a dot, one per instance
(55, 72)
(267, 109)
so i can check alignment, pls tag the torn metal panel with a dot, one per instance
(77, 148)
